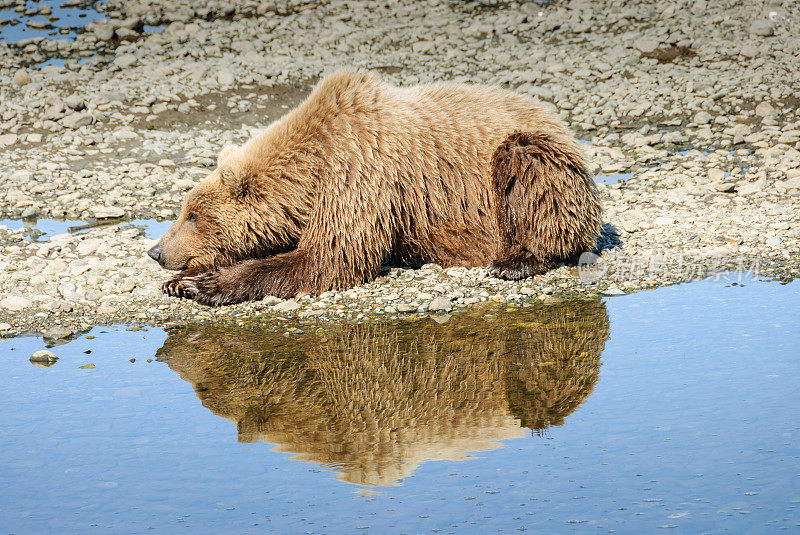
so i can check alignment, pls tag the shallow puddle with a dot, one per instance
(44, 229)
(675, 408)
(50, 19)
(612, 178)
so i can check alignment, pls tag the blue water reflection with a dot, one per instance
(692, 425)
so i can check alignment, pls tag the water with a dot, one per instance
(675, 408)
(43, 229)
(612, 178)
(61, 23)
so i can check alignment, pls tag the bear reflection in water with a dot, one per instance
(374, 401)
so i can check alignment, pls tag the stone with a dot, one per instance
(763, 28)
(125, 60)
(15, 303)
(75, 102)
(57, 333)
(407, 307)
(702, 117)
(4, 327)
(43, 355)
(106, 212)
(21, 77)
(290, 305)
(440, 303)
(716, 174)
(225, 77)
(124, 34)
(8, 139)
(77, 119)
(764, 109)
(749, 51)
(646, 45)
(29, 212)
(774, 241)
(34, 138)
(614, 290)
(749, 188)
(103, 31)
(725, 187)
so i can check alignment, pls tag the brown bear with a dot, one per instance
(363, 172)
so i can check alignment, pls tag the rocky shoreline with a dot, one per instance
(694, 104)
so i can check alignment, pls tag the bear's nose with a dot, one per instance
(156, 254)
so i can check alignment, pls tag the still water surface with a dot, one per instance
(676, 409)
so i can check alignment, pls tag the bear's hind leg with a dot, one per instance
(546, 202)
(520, 266)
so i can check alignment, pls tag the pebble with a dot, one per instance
(21, 77)
(106, 212)
(57, 333)
(124, 61)
(289, 305)
(8, 139)
(440, 303)
(15, 303)
(43, 355)
(646, 45)
(763, 28)
(702, 117)
(764, 109)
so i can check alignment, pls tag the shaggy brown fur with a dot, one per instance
(548, 206)
(375, 401)
(363, 172)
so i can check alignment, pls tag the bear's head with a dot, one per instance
(240, 211)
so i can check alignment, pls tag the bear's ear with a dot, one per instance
(234, 177)
(227, 152)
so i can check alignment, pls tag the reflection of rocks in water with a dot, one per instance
(375, 401)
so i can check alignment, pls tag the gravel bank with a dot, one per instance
(695, 103)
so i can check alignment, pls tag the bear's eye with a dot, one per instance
(192, 217)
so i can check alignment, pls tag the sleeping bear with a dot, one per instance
(363, 172)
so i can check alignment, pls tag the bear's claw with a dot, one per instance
(177, 287)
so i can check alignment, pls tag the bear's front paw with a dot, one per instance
(211, 289)
(175, 287)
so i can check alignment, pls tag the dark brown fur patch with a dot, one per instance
(548, 207)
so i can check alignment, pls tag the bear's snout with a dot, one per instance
(157, 254)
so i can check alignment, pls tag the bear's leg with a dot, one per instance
(542, 189)
(250, 280)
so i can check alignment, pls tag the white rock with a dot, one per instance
(8, 139)
(106, 212)
(716, 174)
(702, 117)
(43, 355)
(77, 119)
(290, 305)
(15, 303)
(764, 109)
(21, 78)
(225, 77)
(440, 303)
(774, 241)
(763, 28)
(124, 61)
(749, 51)
(646, 45)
